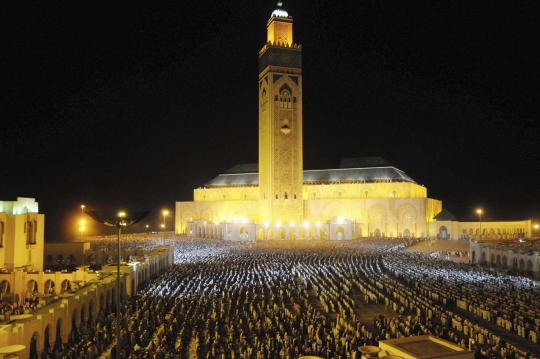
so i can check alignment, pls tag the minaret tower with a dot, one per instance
(280, 122)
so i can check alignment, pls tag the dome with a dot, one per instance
(279, 13)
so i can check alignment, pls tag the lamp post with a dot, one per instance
(118, 220)
(480, 212)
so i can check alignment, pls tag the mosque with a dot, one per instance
(278, 199)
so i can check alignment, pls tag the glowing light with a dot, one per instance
(147, 226)
(83, 207)
(292, 224)
(165, 212)
(122, 214)
(340, 220)
(479, 211)
(204, 223)
(280, 13)
(266, 223)
(278, 223)
(82, 222)
(318, 224)
(305, 224)
(536, 226)
(162, 225)
(243, 220)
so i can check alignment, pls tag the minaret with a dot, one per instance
(280, 122)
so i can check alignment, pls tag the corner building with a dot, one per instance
(278, 199)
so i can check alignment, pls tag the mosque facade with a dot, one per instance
(278, 199)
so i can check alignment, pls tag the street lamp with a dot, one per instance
(480, 212)
(165, 213)
(118, 220)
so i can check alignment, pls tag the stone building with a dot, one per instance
(65, 298)
(517, 256)
(278, 199)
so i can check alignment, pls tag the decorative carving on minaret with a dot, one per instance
(280, 121)
(285, 127)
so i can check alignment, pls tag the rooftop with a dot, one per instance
(351, 170)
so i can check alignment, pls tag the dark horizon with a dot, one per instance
(133, 106)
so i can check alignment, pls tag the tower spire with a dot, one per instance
(279, 11)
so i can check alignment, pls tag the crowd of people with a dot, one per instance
(11, 305)
(510, 302)
(284, 300)
(87, 341)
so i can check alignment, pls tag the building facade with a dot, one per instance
(65, 299)
(278, 199)
(517, 256)
(21, 234)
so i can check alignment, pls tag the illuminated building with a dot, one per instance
(66, 298)
(518, 256)
(21, 235)
(269, 200)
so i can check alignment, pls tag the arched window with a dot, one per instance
(29, 231)
(34, 234)
(285, 99)
(285, 195)
(2, 231)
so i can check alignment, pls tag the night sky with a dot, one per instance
(132, 105)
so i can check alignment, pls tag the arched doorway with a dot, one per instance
(504, 261)
(46, 339)
(473, 257)
(529, 266)
(83, 317)
(66, 285)
(58, 338)
(483, 258)
(292, 232)
(260, 234)
(5, 288)
(270, 234)
(281, 234)
(244, 234)
(377, 233)
(443, 232)
(521, 264)
(49, 287)
(33, 348)
(74, 324)
(90, 312)
(31, 288)
(324, 235)
(498, 260)
(340, 233)
(406, 233)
